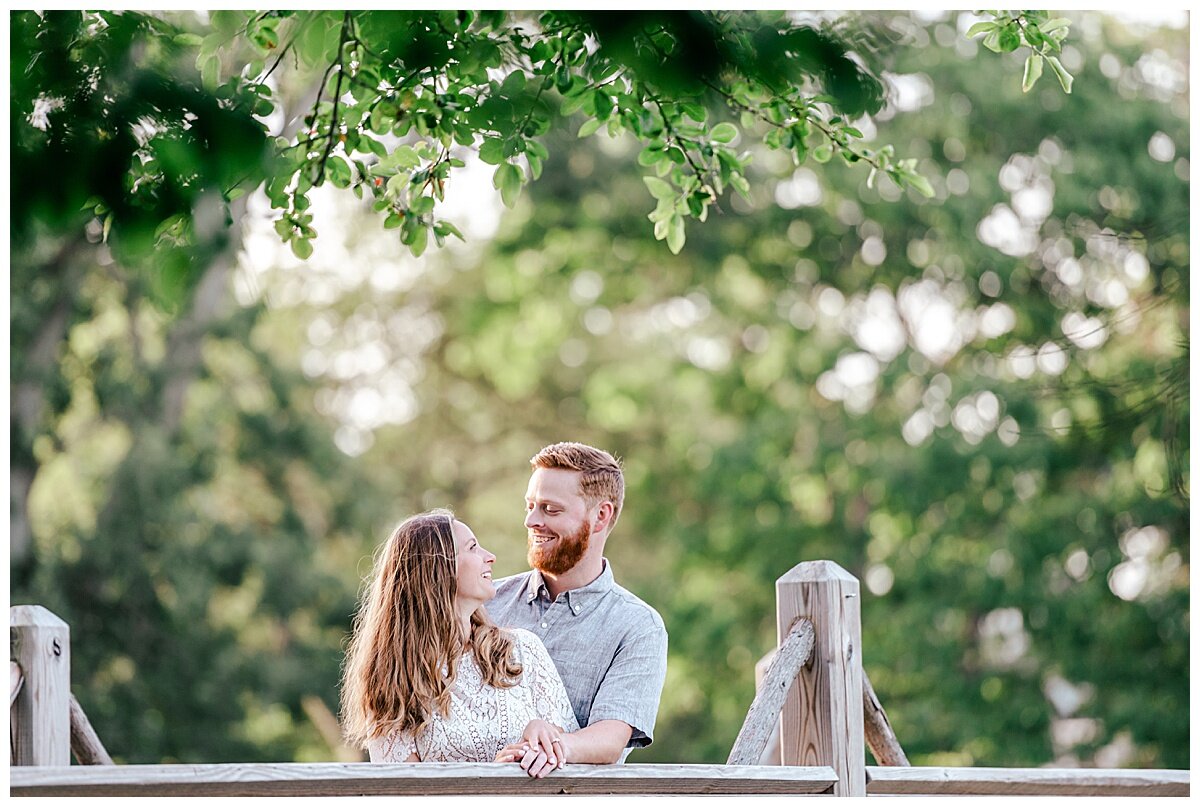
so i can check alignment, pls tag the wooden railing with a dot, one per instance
(455, 779)
(814, 696)
(430, 778)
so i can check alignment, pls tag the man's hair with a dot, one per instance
(600, 477)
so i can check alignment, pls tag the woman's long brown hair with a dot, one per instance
(403, 654)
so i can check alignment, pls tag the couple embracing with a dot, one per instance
(555, 665)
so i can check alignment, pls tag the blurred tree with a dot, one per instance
(965, 402)
(173, 498)
(977, 404)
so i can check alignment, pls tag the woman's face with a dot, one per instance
(474, 566)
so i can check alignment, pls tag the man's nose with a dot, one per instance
(532, 519)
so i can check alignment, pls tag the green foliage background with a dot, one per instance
(212, 442)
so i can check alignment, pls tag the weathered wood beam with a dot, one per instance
(762, 719)
(84, 740)
(1027, 782)
(426, 779)
(15, 680)
(770, 755)
(878, 729)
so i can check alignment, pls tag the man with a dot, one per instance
(609, 647)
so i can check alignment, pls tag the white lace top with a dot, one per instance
(483, 719)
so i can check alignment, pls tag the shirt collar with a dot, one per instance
(577, 596)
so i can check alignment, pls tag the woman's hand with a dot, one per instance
(512, 753)
(540, 751)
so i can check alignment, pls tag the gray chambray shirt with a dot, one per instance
(609, 647)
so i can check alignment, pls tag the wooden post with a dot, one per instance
(822, 720)
(41, 645)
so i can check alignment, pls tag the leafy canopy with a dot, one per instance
(402, 95)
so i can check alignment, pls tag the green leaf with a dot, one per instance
(302, 248)
(723, 132)
(572, 104)
(1033, 71)
(209, 68)
(338, 171)
(311, 43)
(1064, 78)
(1010, 38)
(650, 155)
(508, 179)
(404, 158)
(992, 41)
(658, 188)
(739, 184)
(981, 28)
(419, 241)
(696, 112)
(920, 184)
(188, 40)
(422, 205)
(590, 127)
(1054, 24)
(492, 151)
(822, 153)
(444, 227)
(514, 83)
(675, 235)
(1034, 37)
(373, 146)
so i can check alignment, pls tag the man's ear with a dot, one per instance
(604, 514)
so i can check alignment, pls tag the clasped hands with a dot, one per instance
(541, 749)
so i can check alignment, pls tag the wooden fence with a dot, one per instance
(813, 697)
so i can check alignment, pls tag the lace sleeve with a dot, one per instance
(540, 676)
(394, 747)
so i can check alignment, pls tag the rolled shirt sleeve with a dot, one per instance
(631, 689)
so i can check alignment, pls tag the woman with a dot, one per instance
(428, 677)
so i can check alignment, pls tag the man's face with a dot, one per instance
(558, 519)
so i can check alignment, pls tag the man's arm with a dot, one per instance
(600, 743)
(544, 747)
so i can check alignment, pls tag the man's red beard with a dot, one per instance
(564, 553)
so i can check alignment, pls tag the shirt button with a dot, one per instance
(544, 625)
(577, 609)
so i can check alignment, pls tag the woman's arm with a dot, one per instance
(391, 748)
